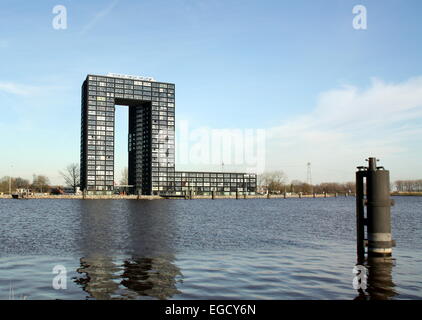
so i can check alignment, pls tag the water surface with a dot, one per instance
(201, 249)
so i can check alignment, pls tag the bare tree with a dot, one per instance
(41, 183)
(272, 181)
(71, 175)
(4, 184)
(296, 186)
(333, 187)
(409, 185)
(125, 177)
(21, 183)
(15, 183)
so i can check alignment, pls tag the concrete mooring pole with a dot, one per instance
(378, 210)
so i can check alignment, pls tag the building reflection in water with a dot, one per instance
(153, 277)
(125, 256)
(380, 285)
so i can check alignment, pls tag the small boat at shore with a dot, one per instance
(172, 196)
(18, 196)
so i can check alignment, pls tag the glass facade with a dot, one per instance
(203, 183)
(150, 143)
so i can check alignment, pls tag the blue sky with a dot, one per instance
(297, 69)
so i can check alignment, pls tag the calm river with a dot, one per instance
(200, 249)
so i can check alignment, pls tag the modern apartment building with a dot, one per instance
(151, 140)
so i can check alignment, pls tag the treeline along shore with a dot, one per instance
(274, 183)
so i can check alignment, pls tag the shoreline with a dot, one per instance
(407, 194)
(143, 197)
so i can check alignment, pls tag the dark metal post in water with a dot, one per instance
(213, 194)
(360, 215)
(378, 211)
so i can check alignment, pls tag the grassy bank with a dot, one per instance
(419, 194)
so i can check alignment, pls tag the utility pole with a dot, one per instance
(309, 177)
(10, 180)
(309, 174)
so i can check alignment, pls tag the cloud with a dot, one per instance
(101, 14)
(347, 125)
(24, 90)
(18, 89)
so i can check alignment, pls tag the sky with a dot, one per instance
(322, 91)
